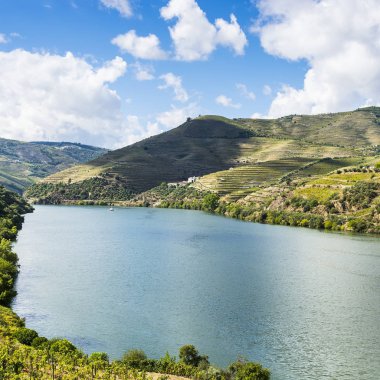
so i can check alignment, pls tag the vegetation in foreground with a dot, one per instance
(26, 355)
(12, 208)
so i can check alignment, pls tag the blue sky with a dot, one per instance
(275, 58)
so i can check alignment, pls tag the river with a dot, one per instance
(304, 303)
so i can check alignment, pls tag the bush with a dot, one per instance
(361, 194)
(242, 370)
(134, 358)
(99, 357)
(189, 355)
(210, 202)
(40, 342)
(25, 336)
(62, 346)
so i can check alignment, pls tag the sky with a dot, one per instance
(112, 72)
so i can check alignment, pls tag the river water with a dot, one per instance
(304, 303)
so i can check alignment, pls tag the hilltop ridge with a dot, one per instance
(212, 143)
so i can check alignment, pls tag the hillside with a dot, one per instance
(23, 163)
(210, 143)
(252, 165)
(346, 199)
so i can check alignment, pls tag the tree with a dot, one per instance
(189, 355)
(99, 357)
(210, 202)
(62, 346)
(134, 358)
(25, 336)
(40, 342)
(244, 370)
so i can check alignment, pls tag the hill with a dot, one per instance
(251, 165)
(210, 143)
(23, 163)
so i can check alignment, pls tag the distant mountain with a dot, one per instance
(23, 163)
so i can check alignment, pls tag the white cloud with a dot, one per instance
(140, 47)
(143, 72)
(194, 37)
(60, 98)
(231, 35)
(245, 92)
(177, 116)
(175, 83)
(267, 90)
(225, 101)
(3, 38)
(137, 130)
(340, 39)
(257, 115)
(122, 6)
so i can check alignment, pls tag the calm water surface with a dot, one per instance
(304, 303)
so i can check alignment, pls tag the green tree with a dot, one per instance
(244, 370)
(62, 346)
(25, 336)
(134, 358)
(189, 355)
(210, 202)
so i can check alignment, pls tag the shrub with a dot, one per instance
(189, 355)
(242, 370)
(62, 346)
(40, 342)
(99, 357)
(134, 358)
(210, 202)
(25, 336)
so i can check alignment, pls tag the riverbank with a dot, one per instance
(348, 209)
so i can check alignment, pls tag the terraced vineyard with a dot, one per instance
(327, 165)
(237, 182)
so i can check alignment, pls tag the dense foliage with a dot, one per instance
(361, 195)
(12, 208)
(90, 190)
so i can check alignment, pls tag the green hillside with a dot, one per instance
(251, 165)
(23, 163)
(346, 199)
(210, 143)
